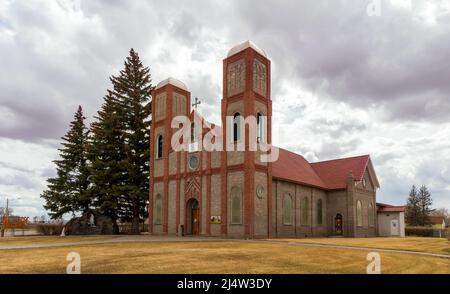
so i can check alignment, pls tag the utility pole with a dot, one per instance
(2, 234)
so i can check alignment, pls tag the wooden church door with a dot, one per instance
(195, 218)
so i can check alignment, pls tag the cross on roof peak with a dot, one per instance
(196, 103)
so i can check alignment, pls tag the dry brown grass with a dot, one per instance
(421, 244)
(212, 257)
(32, 240)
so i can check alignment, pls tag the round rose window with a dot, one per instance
(193, 162)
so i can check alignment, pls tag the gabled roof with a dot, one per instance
(207, 124)
(330, 175)
(334, 173)
(382, 207)
(436, 219)
(295, 168)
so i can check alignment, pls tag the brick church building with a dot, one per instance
(235, 193)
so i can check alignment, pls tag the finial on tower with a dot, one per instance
(172, 81)
(245, 45)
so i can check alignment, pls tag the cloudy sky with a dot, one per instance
(345, 83)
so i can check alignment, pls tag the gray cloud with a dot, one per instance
(379, 84)
(336, 129)
(331, 149)
(339, 51)
(20, 180)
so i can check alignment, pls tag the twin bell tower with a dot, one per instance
(218, 193)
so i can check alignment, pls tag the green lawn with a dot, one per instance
(212, 257)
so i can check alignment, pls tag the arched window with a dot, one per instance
(158, 209)
(193, 133)
(159, 146)
(236, 205)
(371, 215)
(359, 218)
(260, 127)
(236, 127)
(305, 211)
(319, 212)
(287, 209)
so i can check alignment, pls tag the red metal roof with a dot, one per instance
(334, 173)
(294, 168)
(331, 174)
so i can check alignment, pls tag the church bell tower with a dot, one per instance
(170, 98)
(246, 96)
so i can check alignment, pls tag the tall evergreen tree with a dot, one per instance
(425, 203)
(132, 89)
(107, 156)
(412, 208)
(67, 192)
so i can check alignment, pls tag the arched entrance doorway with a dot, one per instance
(338, 224)
(192, 217)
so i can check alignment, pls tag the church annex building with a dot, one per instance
(235, 194)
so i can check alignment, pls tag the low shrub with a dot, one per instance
(419, 231)
(125, 228)
(49, 229)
